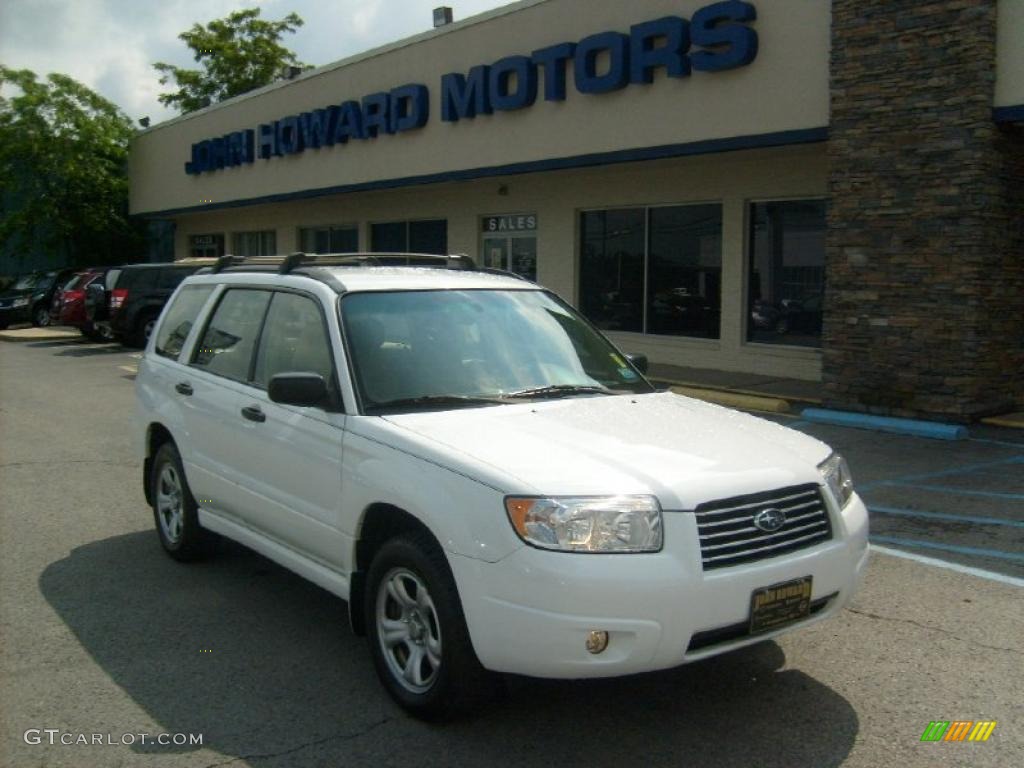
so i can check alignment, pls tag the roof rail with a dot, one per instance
(299, 259)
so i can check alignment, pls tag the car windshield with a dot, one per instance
(440, 349)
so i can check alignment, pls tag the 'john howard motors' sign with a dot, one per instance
(716, 38)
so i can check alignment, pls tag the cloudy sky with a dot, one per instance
(110, 45)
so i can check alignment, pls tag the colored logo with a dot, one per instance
(770, 520)
(958, 730)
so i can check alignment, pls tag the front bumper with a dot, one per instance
(531, 612)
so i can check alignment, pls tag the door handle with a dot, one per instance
(183, 388)
(253, 413)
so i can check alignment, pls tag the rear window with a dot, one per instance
(181, 316)
(111, 278)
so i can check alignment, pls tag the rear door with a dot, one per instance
(216, 383)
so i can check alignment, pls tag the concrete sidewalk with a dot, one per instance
(750, 391)
(54, 333)
(756, 392)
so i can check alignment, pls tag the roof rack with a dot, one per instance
(299, 259)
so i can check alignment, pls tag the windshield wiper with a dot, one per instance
(406, 402)
(562, 390)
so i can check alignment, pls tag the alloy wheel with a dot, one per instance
(409, 630)
(170, 504)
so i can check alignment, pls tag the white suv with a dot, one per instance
(490, 484)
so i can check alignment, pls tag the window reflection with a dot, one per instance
(680, 294)
(787, 272)
(684, 282)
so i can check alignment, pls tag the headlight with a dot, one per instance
(837, 476)
(20, 302)
(588, 523)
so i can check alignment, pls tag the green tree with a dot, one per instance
(63, 172)
(237, 54)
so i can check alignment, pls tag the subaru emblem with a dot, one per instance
(770, 520)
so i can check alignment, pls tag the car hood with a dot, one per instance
(12, 293)
(682, 450)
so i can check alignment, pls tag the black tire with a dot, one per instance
(143, 326)
(186, 540)
(459, 683)
(40, 315)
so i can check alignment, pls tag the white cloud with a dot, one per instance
(110, 45)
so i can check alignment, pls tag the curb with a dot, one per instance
(735, 399)
(1011, 420)
(912, 427)
(736, 391)
(39, 334)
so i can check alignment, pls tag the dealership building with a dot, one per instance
(825, 191)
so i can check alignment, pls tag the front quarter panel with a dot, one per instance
(466, 516)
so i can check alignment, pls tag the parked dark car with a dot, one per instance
(140, 293)
(29, 298)
(69, 304)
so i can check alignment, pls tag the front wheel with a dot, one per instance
(417, 631)
(174, 509)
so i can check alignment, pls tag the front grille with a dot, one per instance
(728, 535)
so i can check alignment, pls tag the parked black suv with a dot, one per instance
(139, 295)
(28, 300)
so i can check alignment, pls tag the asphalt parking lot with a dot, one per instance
(100, 633)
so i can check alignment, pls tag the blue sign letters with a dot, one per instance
(608, 61)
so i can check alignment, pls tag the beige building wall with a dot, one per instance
(1010, 53)
(785, 88)
(733, 179)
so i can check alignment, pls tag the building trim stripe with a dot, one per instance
(710, 146)
(1009, 114)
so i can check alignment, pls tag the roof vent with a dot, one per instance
(442, 16)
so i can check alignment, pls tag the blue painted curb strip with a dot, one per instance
(886, 424)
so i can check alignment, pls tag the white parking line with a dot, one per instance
(129, 368)
(979, 572)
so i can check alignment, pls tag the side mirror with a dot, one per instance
(298, 389)
(639, 362)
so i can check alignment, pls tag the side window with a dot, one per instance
(294, 340)
(181, 315)
(140, 280)
(227, 343)
(170, 279)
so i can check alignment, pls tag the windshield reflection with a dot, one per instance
(438, 349)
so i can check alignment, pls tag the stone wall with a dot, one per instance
(925, 250)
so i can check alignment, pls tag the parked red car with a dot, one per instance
(68, 306)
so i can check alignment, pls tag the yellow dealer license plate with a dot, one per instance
(780, 604)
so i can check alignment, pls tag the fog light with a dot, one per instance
(597, 641)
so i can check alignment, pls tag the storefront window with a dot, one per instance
(684, 271)
(787, 272)
(424, 236)
(612, 268)
(680, 250)
(329, 239)
(254, 243)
